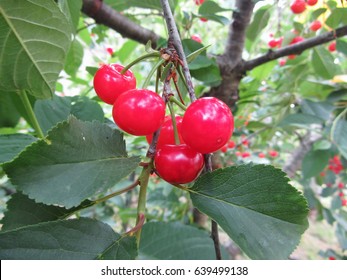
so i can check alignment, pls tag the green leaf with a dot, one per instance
(341, 46)
(49, 112)
(322, 145)
(72, 11)
(316, 13)
(125, 51)
(12, 144)
(74, 58)
(321, 110)
(314, 162)
(192, 56)
(255, 206)
(175, 241)
(299, 120)
(91, 70)
(259, 22)
(339, 135)
(211, 7)
(209, 75)
(337, 17)
(80, 239)
(122, 5)
(9, 116)
(34, 40)
(23, 211)
(77, 160)
(87, 110)
(323, 63)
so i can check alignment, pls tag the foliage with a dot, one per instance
(69, 172)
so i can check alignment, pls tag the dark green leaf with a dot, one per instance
(337, 17)
(18, 103)
(72, 11)
(91, 70)
(34, 39)
(209, 75)
(314, 162)
(80, 239)
(9, 116)
(192, 56)
(23, 211)
(74, 58)
(211, 7)
(77, 160)
(322, 145)
(323, 63)
(316, 13)
(12, 144)
(124, 248)
(175, 241)
(341, 46)
(321, 110)
(339, 135)
(49, 112)
(255, 206)
(259, 22)
(121, 5)
(87, 110)
(299, 120)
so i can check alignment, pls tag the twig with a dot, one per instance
(215, 238)
(174, 37)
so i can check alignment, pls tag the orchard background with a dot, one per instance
(70, 179)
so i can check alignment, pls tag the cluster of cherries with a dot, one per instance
(335, 166)
(205, 127)
(298, 7)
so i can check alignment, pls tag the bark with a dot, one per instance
(104, 14)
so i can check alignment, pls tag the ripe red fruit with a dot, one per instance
(332, 258)
(110, 51)
(203, 19)
(311, 2)
(282, 62)
(207, 125)
(245, 154)
(344, 202)
(273, 43)
(199, 2)
(224, 149)
(273, 153)
(292, 56)
(332, 46)
(166, 135)
(109, 83)
(238, 153)
(315, 25)
(231, 144)
(340, 185)
(298, 6)
(178, 164)
(139, 112)
(196, 38)
(261, 155)
(296, 39)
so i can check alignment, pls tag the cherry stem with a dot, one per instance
(150, 74)
(174, 124)
(141, 220)
(141, 204)
(174, 37)
(178, 91)
(128, 188)
(29, 109)
(177, 102)
(139, 59)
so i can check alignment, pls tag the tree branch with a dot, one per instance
(296, 48)
(104, 14)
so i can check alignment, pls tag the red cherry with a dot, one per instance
(341, 185)
(296, 39)
(341, 194)
(261, 155)
(344, 202)
(139, 112)
(291, 56)
(109, 83)
(203, 19)
(315, 25)
(238, 153)
(282, 62)
(166, 135)
(110, 51)
(178, 164)
(199, 2)
(332, 46)
(273, 153)
(196, 38)
(231, 144)
(207, 125)
(245, 154)
(311, 2)
(298, 6)
(332, 258)
(273, 43)
(224, 149)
